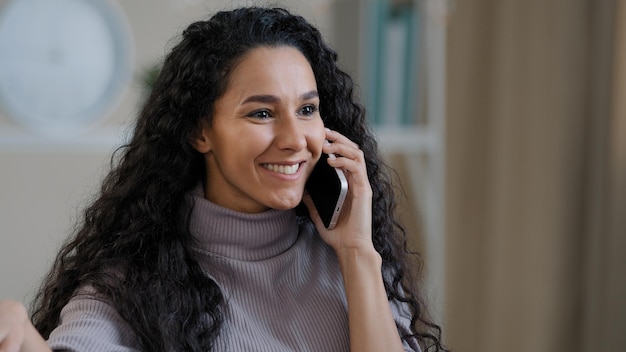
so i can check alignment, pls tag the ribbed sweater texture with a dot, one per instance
(281, 283)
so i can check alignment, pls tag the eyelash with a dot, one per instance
(312, 109)
(256, 114)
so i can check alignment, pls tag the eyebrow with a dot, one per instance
(273, 99)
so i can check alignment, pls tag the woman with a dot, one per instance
(199, 240)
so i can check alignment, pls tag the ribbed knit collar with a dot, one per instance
(241, 236)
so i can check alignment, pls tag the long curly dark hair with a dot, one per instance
(133, 243)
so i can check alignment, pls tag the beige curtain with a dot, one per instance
(604, 302)
(536, 185)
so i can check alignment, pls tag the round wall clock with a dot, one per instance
(64, 63)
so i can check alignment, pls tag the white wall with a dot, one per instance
(44, 184)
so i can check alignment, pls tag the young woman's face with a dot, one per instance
(266, 134)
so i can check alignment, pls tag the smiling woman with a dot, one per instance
(203, 237)
(265, 137)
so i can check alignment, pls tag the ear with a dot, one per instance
(200, 140)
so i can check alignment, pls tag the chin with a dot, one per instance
(286, 204)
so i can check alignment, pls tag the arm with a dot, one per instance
(372, 327)
(17, 333)
(371, 322)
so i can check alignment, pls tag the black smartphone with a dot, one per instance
(328, 188)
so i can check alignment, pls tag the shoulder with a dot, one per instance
(90, 323)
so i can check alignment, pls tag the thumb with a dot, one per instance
(315, 216)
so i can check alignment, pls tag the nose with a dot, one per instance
(291, 134)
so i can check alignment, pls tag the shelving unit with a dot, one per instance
(412, 78)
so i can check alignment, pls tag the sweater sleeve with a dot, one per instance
(91, 324)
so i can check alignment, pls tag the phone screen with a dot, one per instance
(328, 188)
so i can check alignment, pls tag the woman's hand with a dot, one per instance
(13, 320)
(354, 227)
(16, 331)
(371, 322)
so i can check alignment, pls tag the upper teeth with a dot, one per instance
(283, 169)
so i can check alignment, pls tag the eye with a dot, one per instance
(308, 110)
(260, 114)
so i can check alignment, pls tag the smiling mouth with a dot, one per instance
(283, 169)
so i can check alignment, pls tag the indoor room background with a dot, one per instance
(504, 119)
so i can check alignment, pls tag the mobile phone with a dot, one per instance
(328, 188)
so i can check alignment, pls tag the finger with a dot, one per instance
(346, 151)
(308, 202)
(12, 341)
(349, 166)
(345, 157)
(341, 146)
(337, 137)
(315, 217)
(12, 317)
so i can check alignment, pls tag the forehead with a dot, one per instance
(284, 63)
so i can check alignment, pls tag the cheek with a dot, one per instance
(249, 140)
(317, 138)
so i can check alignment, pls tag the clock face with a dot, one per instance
(64, 63)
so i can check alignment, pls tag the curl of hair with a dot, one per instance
(133, 243)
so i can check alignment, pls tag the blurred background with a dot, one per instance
(505, 120)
